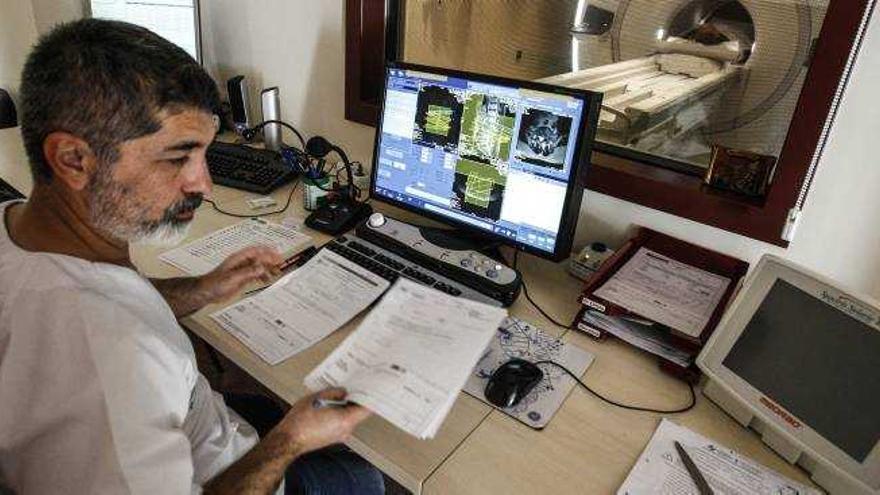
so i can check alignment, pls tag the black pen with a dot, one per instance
(696, 475)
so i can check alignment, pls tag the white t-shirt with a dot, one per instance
(99, 390)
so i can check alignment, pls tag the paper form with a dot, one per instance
(645, 337)
(204, 254)
(660, 471)
(411, 356)
(667, 291)
(302, 307)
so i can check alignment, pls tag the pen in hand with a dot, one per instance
(323, 403)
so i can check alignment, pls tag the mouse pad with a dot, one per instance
(518, 339)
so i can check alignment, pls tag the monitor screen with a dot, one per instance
(175, 20)
(787, 350)
(482, 153)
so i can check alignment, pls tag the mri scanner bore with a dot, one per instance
(678, 76)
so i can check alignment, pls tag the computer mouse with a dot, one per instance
(511, 382)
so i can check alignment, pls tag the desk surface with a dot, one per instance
(589, 446)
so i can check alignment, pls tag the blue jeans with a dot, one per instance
(335, 470)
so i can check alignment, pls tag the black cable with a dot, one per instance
(525, 291)
(256, 215)
(686, 408)
(253, 130)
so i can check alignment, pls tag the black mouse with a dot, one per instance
(511, 382)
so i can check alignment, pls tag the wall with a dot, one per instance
(17, 34)
(48, 13)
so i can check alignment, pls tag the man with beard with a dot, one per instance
(99, 390)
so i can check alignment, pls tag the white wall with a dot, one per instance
(17, 34)
(48, 13)
(298, 45)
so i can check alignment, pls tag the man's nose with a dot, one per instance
(198, 179)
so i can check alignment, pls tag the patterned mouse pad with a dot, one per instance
(518, 339)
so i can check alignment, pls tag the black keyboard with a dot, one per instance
(8, 192)
(246, 168)
(391, 266)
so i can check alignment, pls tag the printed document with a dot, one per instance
(645, 337)
(302, 307)
(411, 356)
(667, 291)
(204, 254)
(660, 470)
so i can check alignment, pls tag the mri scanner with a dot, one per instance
(682, 75)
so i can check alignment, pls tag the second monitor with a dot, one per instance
(493, 156)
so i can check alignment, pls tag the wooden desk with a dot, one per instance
(587, 448)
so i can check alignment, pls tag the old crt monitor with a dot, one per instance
(496, 157)
(797, 359)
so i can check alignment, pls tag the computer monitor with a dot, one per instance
(797, 358)
(175, 20)
(490, 155)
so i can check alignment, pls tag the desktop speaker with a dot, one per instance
(238, 102)
(271, 111)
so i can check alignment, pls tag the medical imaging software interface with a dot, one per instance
(495, 157)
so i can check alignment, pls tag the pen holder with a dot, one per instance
(315, 194)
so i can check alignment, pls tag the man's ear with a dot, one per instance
(71, 159)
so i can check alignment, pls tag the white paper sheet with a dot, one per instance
(660, 471)
(667, 291)
(204, 254)
(642, 336)
(303, 307)
(411, 356)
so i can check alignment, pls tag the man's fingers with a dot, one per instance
(254, 254)
(238, 278)
(355, 414)
(334, 393)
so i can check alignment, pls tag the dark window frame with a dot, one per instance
(623, 176)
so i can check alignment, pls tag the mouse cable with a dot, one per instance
(686, 408)
(255, 215)
(525, 290)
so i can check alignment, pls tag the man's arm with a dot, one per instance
(187, 295)
(302, 430)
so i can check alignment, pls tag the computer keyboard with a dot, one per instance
(246, 168)
(391, 266)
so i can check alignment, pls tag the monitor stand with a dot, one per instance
(452, 254)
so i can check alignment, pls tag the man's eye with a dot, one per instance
(179, 161)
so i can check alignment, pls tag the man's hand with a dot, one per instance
(256, 263)
(303, 430)
(312, 429)
(187, 295)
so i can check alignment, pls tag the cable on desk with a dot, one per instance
(251, 133)
(256, 215)
(686, 408)
(532, 301)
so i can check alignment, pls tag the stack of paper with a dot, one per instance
(411, 356)
(204, 254)
(645, 335)
(302, 307)
(661, 471)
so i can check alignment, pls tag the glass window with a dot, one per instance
(679, 77)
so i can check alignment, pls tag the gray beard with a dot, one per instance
(117, 213)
